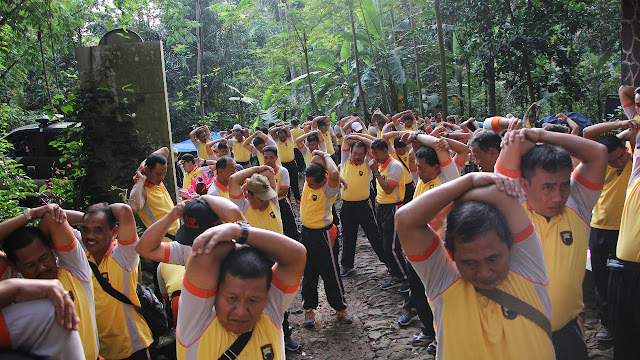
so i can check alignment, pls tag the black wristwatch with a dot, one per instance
(244, 233)
(376, 173)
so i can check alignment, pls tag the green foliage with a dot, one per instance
(15, 185)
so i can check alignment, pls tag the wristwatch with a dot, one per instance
(376, 173)
(27, 214)
(244, 233)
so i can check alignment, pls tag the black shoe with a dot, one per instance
(431, 349)
(407, 318)
(422, 340)
(346, 271)
(605, 335)
(290, 344)
(404, 288)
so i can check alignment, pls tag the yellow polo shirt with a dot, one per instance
(156, 203)
(186, 181)
(489, 330)
(285, 150)
(358, 177)
(199, 334)
(404, 159)
(296, 132)
(391, 171)
(628, 244)
(268, 219)
(217, 189)
(122, 330)
(315, 206)
(608, 211)
(75, 276)
(240, 153)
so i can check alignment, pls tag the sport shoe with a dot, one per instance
(431, 349)
(604, 335)
(290, 344)
(404, 288)
(343, 317)
(407, 318)
(346, 271)
(421, 340)
(309, 318)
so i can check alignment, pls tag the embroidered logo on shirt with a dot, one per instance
(267, 352)
(508, 313)
(361, 173)
(273, 216)
(314, 197)
(567, 237)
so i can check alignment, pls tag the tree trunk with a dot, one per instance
(44, 70)
(363, 101)
(443, 62)
(468, 86)
(314, 106)
(526, 67)
(491, 86)
(459, 71)
(199, 36)
(415, 52)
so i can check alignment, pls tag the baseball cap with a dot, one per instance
(259, 185)
(198, 217)
(356, 126)
(237, 127)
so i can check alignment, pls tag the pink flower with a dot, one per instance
(68, 165)
(57, 171)
(66, 178)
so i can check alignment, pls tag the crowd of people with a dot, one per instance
(485, 225)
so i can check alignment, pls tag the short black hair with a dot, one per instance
(246, 262)
(360, 144)
(104, 208)
(281, 131)
(309, 117)
(258, 141)
(555, 128)
(379, 144)
(294, 122)
(471, 219)
(321, 122)
(222, 145)
(264, 129)
(550, 158)
(222, 162)
(316, 171)
(154, 159)
(407, 117)
(397, 143)
(22, 238)
(199, 132)
(188, 158)
(486, 139)
(429, 155)
(270, 148)
(313, 138)
(612, 142)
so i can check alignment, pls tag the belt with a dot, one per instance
(323, 229)
(356, 201)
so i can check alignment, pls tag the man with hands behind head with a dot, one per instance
(233, 291)
(559, 201)
(490, 247)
